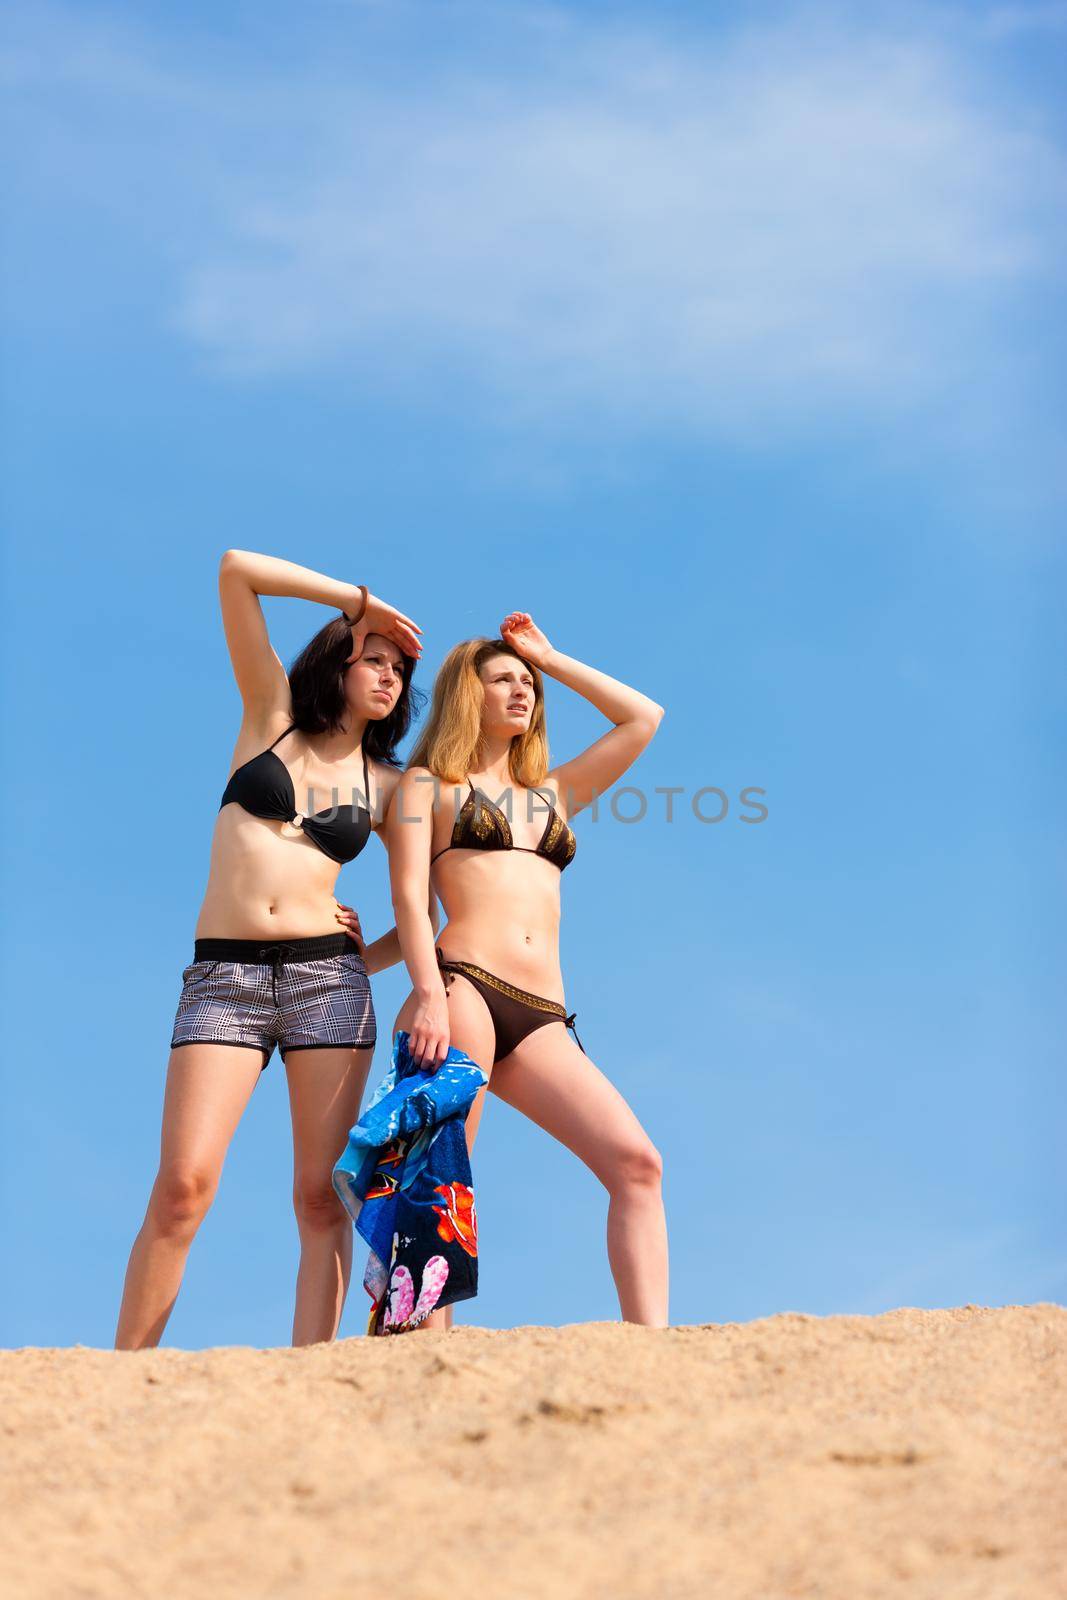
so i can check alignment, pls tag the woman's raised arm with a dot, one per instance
(244, 575)
(635, 716)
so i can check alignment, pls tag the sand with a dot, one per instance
(917, 1453)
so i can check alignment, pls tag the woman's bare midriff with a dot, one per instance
(503, 910)
(267, 880)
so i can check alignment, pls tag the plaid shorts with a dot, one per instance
(298, 994)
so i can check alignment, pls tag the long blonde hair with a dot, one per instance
(448, 744)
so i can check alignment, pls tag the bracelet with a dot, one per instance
(362, 606)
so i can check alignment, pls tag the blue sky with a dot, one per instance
(729, 342)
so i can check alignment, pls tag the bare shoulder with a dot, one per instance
(386, 779)
(431, 794)
(415, 789)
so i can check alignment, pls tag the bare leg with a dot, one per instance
(325, 1090)
(208, 1087)
(549, 1080)
(471, 1029)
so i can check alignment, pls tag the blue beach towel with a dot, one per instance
(405, 1180)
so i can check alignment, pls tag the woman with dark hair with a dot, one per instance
(488, 824)
(313, 772)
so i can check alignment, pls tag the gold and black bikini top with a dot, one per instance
(481, 825)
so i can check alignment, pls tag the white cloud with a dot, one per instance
(733, 230)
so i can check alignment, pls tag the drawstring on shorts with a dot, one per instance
(276, 954)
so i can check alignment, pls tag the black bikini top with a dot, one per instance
(481, 825)
(264, 787)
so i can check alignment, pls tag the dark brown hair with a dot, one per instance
(317, 685)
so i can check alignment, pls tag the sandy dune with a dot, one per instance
(918, 1453)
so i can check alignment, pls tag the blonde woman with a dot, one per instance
(480, 813)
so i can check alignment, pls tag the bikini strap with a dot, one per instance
(568, 1022)
(281, 736)
(366, 781)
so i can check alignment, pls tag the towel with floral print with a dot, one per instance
(405, 1180)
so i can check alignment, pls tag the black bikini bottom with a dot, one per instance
(515, 1012)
